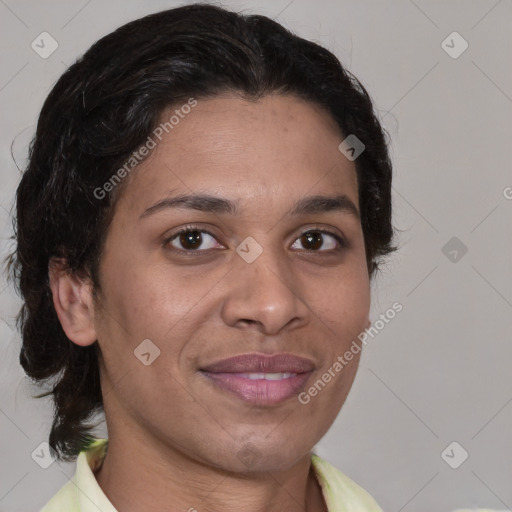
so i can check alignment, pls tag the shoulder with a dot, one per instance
(65, 500)
(82, 492)
(341, 493)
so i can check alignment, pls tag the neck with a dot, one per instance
(143, 476)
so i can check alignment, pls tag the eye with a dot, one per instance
(313, 240)
(190, 239)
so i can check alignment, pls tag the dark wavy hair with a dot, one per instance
(101, 110)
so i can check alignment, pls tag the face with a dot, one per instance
(249, 275)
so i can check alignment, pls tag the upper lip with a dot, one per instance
(261, 363)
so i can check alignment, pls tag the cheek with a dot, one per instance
(143, 305)
(148, 301)
(136, 291)
(343, 302)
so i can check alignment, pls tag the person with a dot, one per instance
(206, 201)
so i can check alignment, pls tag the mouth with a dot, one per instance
(260, 379)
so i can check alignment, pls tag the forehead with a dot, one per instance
(277, 147)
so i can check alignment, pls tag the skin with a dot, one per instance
(174, 437)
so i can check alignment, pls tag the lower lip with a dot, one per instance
(259, 391)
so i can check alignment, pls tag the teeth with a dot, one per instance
(267, 376)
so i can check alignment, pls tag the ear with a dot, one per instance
(73, 302)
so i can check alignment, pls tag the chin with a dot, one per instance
(255, 457)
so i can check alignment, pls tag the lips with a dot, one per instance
(261, 363)
(260, 379)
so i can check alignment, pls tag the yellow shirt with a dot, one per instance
(83, 494)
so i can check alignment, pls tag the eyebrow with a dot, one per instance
(211, 204)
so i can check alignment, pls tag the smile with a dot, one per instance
(266, 376)
(259, 388)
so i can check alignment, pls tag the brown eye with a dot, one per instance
(192, 240)
(314, 240)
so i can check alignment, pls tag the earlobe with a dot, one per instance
(73, 302)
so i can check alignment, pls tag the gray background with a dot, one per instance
(439, 372)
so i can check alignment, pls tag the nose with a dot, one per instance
(265, 295)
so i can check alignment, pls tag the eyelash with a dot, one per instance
(199, 252)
